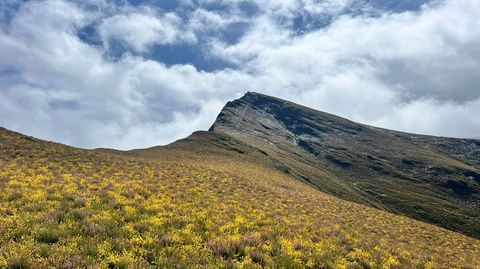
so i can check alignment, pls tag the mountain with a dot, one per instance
(433, 179)
(239, 196)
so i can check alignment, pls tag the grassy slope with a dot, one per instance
(423, 177)
(208, 201)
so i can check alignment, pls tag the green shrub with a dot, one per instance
(48, 236)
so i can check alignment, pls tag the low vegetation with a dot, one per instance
(69, 208)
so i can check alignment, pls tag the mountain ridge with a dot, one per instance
(210, 200)
(433, 179)
(428, 178)
(206, 200)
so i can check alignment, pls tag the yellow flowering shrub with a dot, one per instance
(69, 208)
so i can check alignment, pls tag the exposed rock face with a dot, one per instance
(434, 179)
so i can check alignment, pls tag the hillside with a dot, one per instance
(207, 201)
(433, 179)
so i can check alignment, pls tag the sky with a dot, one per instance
(134, 73)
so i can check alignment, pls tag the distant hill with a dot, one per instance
(433, 179)
(254, 192)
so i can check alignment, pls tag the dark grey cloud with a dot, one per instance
(128, 74)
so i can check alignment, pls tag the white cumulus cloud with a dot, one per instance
(142, 29)
(414, 71)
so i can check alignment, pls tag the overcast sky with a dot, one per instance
(130, 74)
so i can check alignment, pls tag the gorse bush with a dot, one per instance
(69, 208)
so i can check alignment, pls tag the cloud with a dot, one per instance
(144, 28)
(410, 70)
(425, 115)
(57, 87)
(365, 67)
(204, 21)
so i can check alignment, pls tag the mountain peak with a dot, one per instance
(250, 94)
(362, 163)
(269, 117)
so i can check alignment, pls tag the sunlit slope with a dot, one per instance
(433, 179)
(205, 202)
